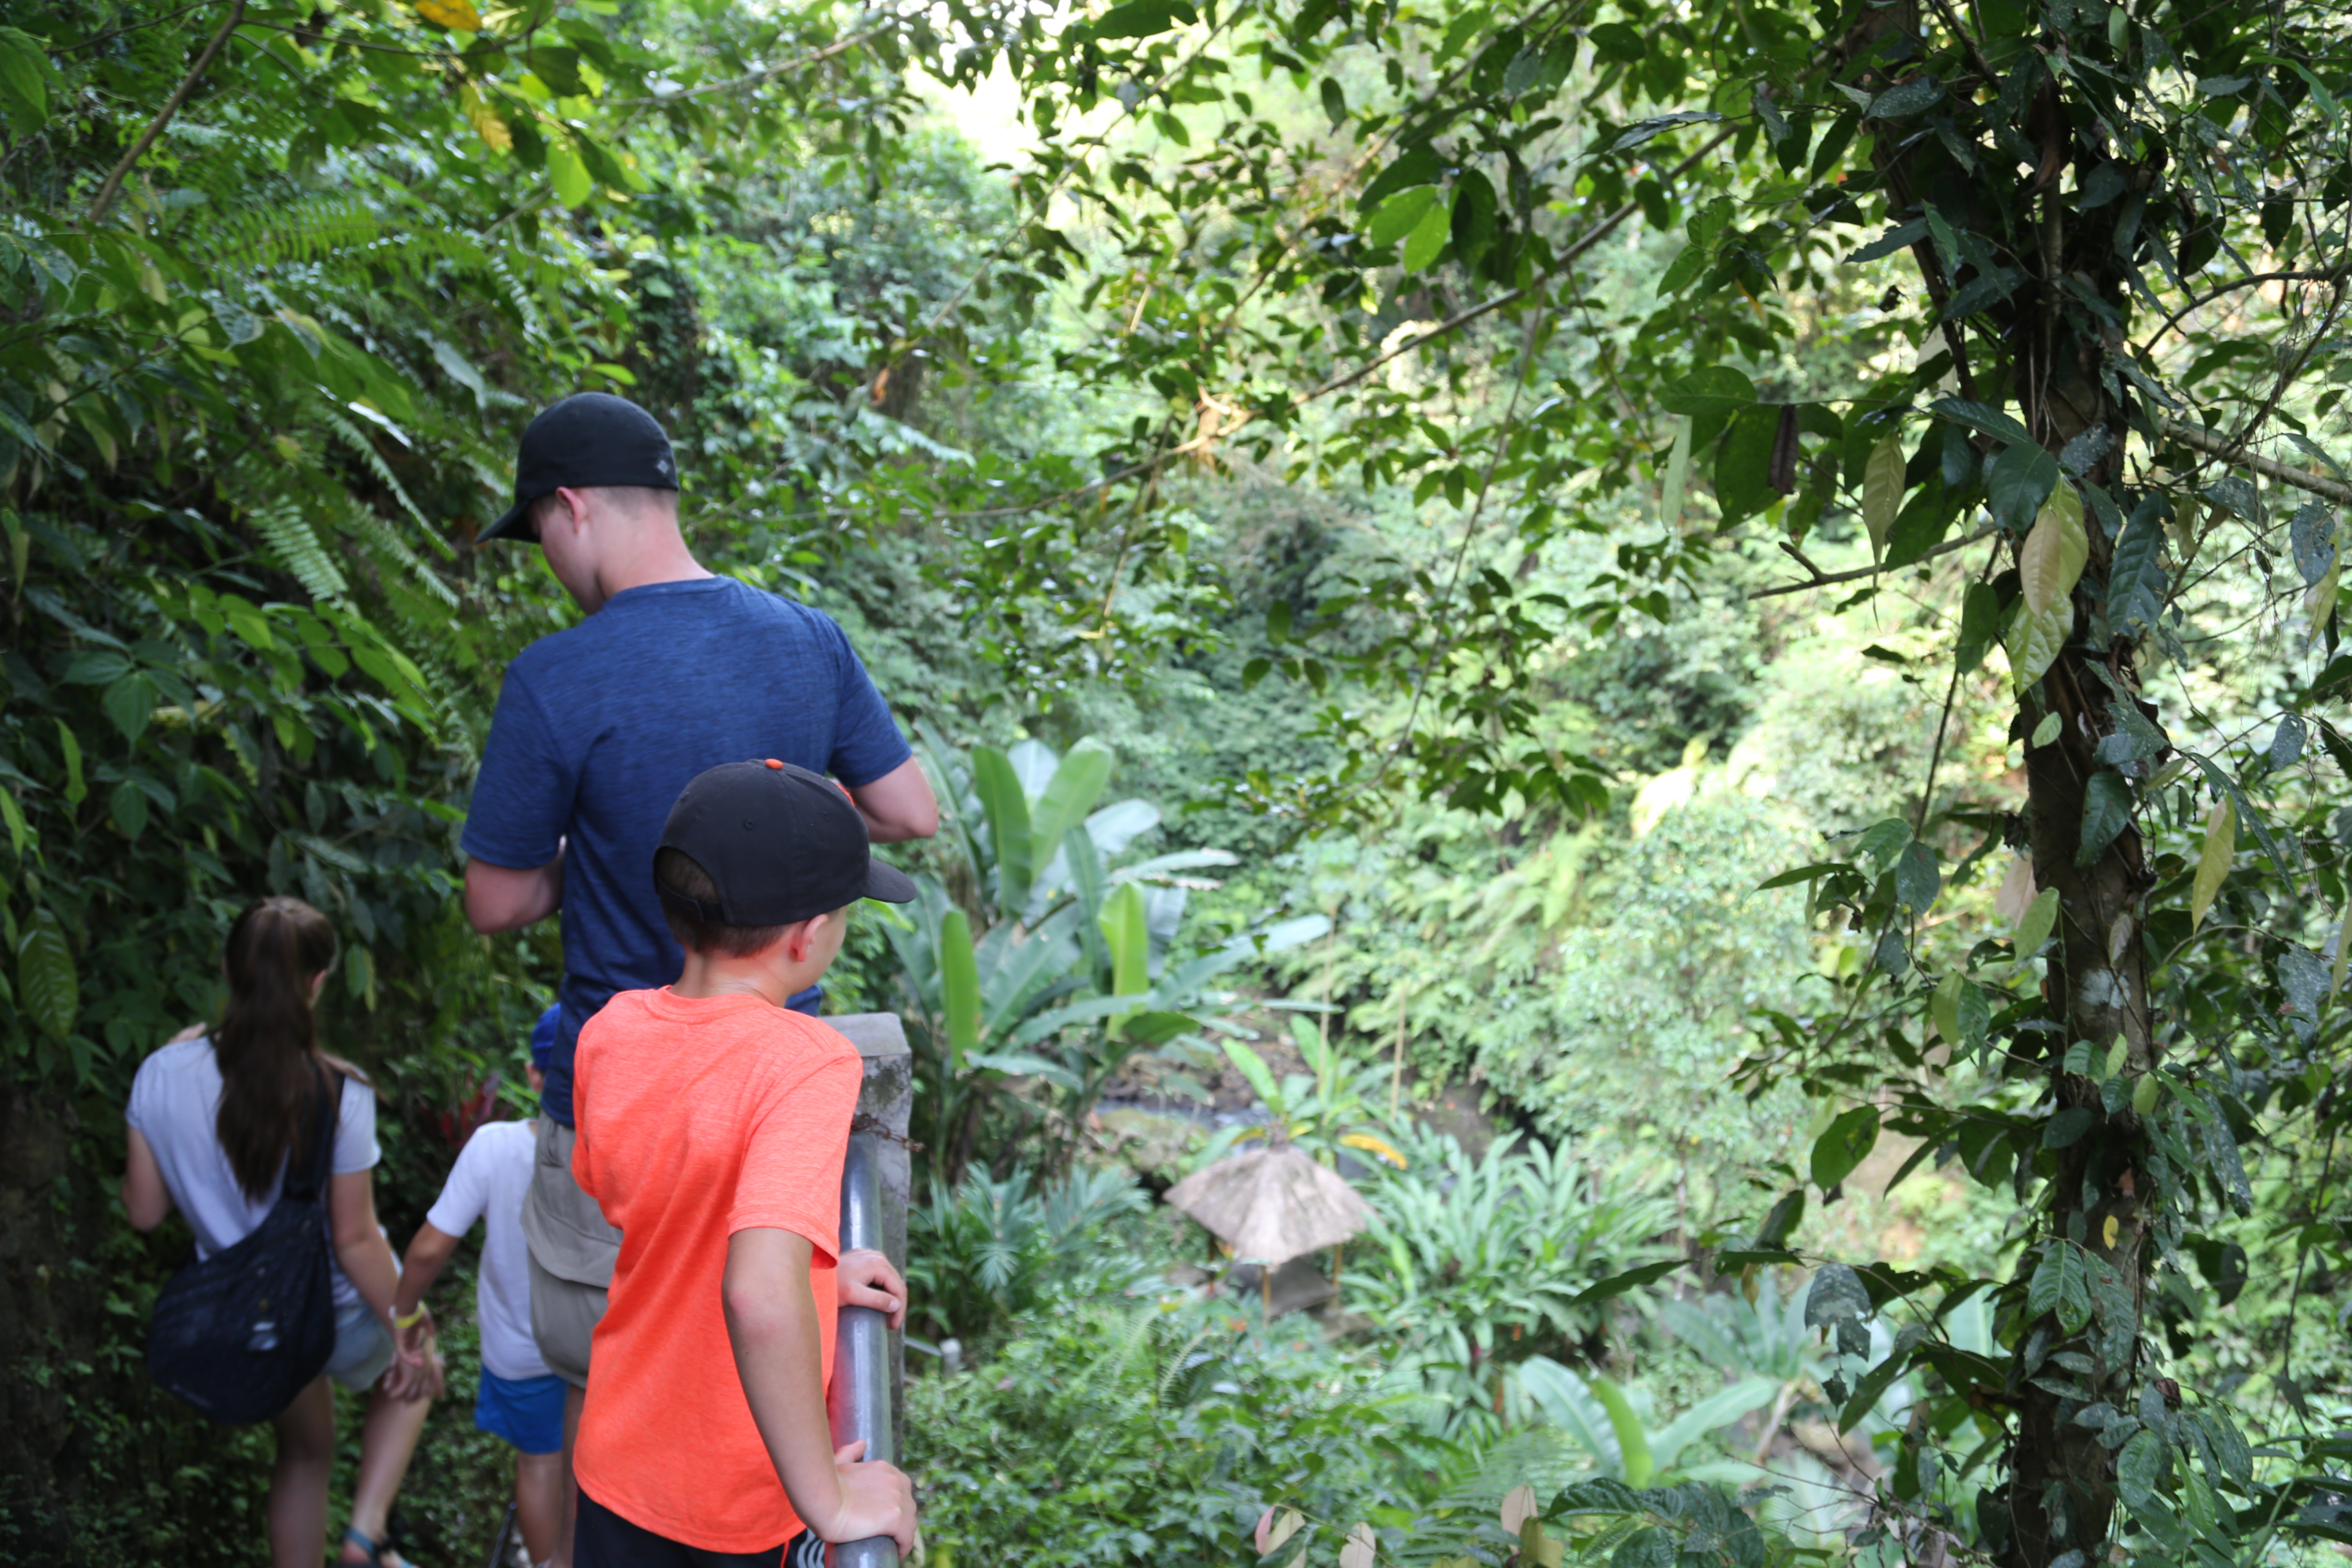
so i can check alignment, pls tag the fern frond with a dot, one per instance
(310, 228)
(298, 551)
(362, 446)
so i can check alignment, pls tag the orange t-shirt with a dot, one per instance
(700, 1117)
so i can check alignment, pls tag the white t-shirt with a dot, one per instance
(176, 1105)
(491, 1179)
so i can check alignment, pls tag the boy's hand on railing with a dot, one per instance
(875, 1499)
(865, 1278)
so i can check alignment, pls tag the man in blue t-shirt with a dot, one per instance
(672, 671)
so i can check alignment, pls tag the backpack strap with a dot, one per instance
(313, 1181)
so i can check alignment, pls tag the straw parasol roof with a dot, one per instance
(1272, 1205)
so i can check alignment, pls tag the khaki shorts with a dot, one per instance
(573, 1250)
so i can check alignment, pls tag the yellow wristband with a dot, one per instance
(412, 1320)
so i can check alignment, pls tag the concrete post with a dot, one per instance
(867, 1396)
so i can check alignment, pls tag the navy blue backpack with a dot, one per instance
(240, 1333)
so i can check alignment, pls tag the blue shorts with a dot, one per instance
(525, 1412)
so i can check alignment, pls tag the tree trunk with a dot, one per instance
(2062, 1494)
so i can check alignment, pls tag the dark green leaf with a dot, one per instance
(1717, 389)
(1836, 1294)
(47, 986)
(1846, 1142)
(2107, 805)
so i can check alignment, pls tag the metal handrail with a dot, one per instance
(860, 1396)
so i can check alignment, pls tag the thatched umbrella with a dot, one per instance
(1271, 1204)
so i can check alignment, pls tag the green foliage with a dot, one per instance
(1473, 1266)
(1077, 966)
(1119, 1431)
(991, 1252)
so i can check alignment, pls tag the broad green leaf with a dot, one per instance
(1567, 1402)
(2142, 1468)
(1253, 1067)
(1974, 1014)
(1632, 1443)
(1944, 1008)
(128, 806)
(2213, 862)
(1836, 1294)
(2041, 919)
(1883, 841)
(47, 986)
(2107, 804)
(2035, 642)
(1429, 237)
(1845, 1144)
(2049, 729)
(1882, 491)
(1632, 1279)
(2022, 479)
(1917, 878)
(20, 833)
(1743, 464)
(1677, 480)
(131, 703)
(1068, 796)
(1007, 808)
(1143, 19)
(1716, 390)
(1130, 942)
(1399, 215)
(25, 77)
(959, 987)
(70, 744)
(568, 171)
(1720, 1408)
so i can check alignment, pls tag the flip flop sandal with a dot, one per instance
(378, 1555)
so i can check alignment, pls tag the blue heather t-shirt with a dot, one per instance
(599, 727)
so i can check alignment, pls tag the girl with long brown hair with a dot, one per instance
(216, 1120)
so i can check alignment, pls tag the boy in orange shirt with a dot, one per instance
(713, 1122)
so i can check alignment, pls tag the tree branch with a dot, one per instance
(839, 45)
(2203, 440)
(1824, 579)
(107, 192)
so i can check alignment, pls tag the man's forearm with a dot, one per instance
(501, 897)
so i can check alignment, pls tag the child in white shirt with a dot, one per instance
(519, 1400)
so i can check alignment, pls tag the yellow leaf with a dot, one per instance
(2213, 861)
(2107, 1232)
(1518, 1507)
(1945, 1010)
(1535, 1547)
(2038, 563)
(485, 120)
(1373, 1145)
(457, 15)
(2343, 933)
(1882, 491)
(2065, 505)
(2035, 640)
(2319, 602)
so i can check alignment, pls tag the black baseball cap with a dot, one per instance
(781, 843)
(587, 439)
